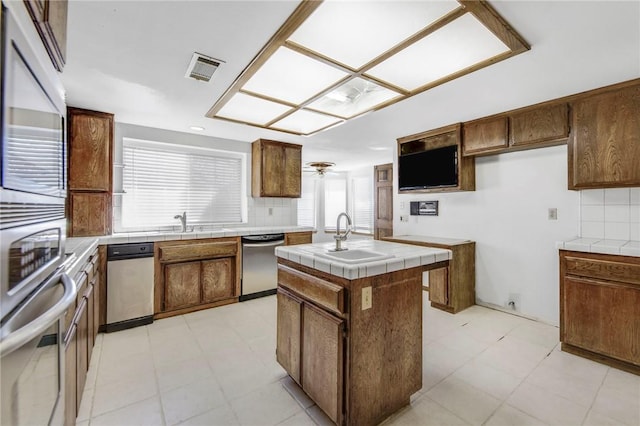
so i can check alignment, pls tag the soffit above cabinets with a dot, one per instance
(334, 61)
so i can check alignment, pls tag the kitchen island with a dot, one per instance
(350, 325)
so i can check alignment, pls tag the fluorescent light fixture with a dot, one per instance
(338, 60)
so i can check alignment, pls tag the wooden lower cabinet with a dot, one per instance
(196, 274)
(453, 288)
(322, 359)
(600, 308)
(293, 238)
(439, 286)
(358, 365)
(81, 327)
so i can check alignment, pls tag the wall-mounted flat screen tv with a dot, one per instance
(435, 168)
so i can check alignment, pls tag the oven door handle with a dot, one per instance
(36, 327)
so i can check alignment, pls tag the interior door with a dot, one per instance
(383, 200)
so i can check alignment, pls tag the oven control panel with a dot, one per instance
(30, 253)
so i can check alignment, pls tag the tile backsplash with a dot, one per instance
(272, 211)
(612, 214)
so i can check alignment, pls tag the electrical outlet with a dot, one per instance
(270, 211)
(366, 298)
(404, 218)
(553, 213)
(402, 205)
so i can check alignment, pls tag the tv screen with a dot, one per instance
(429, 169)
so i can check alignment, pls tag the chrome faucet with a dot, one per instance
(342, 237)
(183, 220)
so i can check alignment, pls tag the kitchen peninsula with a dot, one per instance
(350, 324)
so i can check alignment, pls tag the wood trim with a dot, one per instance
(488, 16)
(302, 12)
(197, 251)
(181, 311)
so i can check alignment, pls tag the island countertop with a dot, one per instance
(404, 257)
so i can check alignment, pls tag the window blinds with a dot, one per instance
(307, 203)
(160, 183)
(335, 201)
(363, 204)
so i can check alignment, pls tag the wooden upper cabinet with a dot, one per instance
(485, 136)
(89, 214)
(604, 146)
(90, 150)
(50, 20)
(276, 169)
(546, 124)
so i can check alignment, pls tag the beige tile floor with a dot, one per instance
(217, 367)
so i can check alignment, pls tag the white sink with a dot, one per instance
(355, 256)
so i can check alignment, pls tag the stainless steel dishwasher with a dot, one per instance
(129, 285)
(259, 265)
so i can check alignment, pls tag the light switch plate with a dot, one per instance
(366, 298)
(553, 213)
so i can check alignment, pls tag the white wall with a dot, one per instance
(260, 211)
(507, 217)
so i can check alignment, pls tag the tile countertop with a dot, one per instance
(404, 257)
(151, 236)
(78, 251)
(598, 245)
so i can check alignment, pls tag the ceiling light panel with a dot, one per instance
(243, 107)
(371, 28)
(352, 98)
(461, 44)
(305, 122)
(292, 77)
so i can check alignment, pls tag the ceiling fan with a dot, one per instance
(321, 167)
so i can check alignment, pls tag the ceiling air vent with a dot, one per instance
(202, 67)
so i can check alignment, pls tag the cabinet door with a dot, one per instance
(604, 146)
(218, 279)
(322, 356)
(602, 317)
(439, 286)
(288, 333)
(89, 214)
(272, 169)
(292, 172)
(540, 125)
(484, 136)
(182, 285)
(82, 363)
(90, 145)
(70, 384)
(383, 201)
(294, 238)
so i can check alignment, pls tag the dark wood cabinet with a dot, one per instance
(276, 169)
(289, 333)
(88, 213)
(604, 146)
(90, 136)
(382, 201)
(600, 308)
(541, 125)
(293, 238)
(452, 288)
(81, 327)
(50, 20)
(195, 274)
(440, 138)
(487, 135)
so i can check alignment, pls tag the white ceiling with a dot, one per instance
(129, 58)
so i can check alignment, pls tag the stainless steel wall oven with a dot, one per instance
(34, 290)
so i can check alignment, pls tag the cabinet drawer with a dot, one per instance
(604, 269)
(317, 290)
(198, 251)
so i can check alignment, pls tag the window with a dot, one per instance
(335, 201)
(162, 180)
(362, 210)
(307, 203)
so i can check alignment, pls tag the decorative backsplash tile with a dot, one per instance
(612, 214)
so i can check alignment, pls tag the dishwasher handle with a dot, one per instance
(268, 244)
